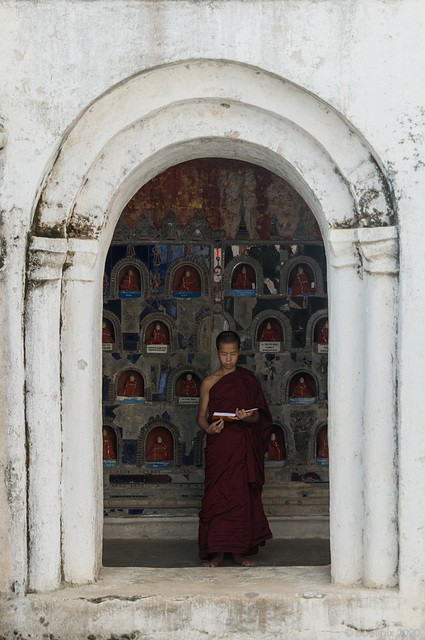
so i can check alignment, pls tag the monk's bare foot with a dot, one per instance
(244, 562)
(215, 561)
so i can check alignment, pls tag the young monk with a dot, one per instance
(232, 518)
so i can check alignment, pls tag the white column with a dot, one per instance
(13, 449)
(81, 414)
(345, 407)
(379, 249)
(411, 436)
(43, 412)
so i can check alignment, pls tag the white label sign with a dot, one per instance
(269, 347)
(157, 348)
(188, 400)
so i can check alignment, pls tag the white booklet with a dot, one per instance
(228, 416)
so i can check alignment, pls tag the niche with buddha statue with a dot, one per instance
(159, 448)
(129, 285)
(130, 387)
(159, 445)
(321, 446)
(317, 332)
(187, 278)
(321, 335)
(129, 279)
(301, 277)
(110, 450)
(156, 334)
(243, 280)
(243, 277)
(186, 388)
(270, 336)
(302, 388)
(111, 332)
(108, 335)
(301, 281)
(275, 455)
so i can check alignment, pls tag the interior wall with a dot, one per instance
(213, 218)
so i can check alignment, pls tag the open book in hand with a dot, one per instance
(218, 415)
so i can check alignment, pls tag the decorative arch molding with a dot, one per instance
(199, 444)
(202, 335)
(192, 109)
(151, 424)
(289, 440)
(229, 323)
(280, 117)
(286, 270)
(190, 262)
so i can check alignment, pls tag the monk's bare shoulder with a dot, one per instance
(210, 381)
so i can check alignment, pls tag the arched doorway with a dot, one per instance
(223, 243)
(118, 145)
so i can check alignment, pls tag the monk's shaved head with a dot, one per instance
(227, 337)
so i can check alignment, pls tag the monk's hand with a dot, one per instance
(215, 427)
(243, 414)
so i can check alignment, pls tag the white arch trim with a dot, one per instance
(202, 101)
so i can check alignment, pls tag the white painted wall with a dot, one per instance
(362, 58)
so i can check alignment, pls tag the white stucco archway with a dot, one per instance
(139, 128)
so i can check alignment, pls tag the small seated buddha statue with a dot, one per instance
(158, 336)
(322, 443)
(268, 334)
(158, 452)
(109, 452)
(301, 390)
(324, 334)
(301, 285)
(129, 282)
(130, 388)
(189, 388)
(106, 334)
(188, 282)
(243, 281)
(274, 450)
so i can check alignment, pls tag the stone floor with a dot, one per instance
(184, 553)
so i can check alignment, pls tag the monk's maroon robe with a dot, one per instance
(232, 517)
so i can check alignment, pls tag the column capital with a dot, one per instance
(81, 259)
(343, 253)
(46, 258)
(379, 249)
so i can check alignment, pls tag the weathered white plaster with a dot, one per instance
(379, 249)
(345, 389)
(43, 408)
(81, 420)
(124, 89)
(297, 603)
